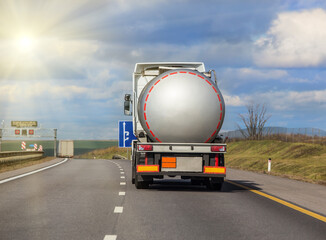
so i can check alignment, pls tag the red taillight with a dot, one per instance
(144, 147)
(218, 148)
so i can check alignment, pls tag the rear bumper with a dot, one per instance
(193, 160)
(186, 174)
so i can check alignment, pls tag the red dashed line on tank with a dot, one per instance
(221, 107)
(208, 82)
(213, 133)
(152, 133)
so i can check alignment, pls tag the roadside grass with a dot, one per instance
(107, 153)
(300, 161)
(10, 166)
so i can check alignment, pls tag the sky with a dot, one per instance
(68, 64)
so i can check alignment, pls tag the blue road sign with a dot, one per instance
(126, 133)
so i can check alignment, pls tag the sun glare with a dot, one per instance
(26, 43)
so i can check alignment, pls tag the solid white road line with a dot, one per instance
(122, 183)
(110, 237)
(30, 173)
(118, 209)
(122, 193)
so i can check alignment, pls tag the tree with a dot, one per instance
(254, 121)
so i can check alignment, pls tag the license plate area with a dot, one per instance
(182, 164)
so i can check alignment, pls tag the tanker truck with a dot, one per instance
(177, 111)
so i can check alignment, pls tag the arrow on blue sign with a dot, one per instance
(126, 133)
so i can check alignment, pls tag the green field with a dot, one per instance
(301, 161)
(81, 146)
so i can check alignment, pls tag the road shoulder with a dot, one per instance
(307, 195)
(24, 170)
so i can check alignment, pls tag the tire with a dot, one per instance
(140, 184)
(133, 167)
(214, 186)
(196, 182)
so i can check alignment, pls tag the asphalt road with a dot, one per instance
(86, 199)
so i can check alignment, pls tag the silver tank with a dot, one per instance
(181, 106)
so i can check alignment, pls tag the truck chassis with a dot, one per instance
(203, 163)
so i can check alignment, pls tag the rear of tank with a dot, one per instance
(177, 113)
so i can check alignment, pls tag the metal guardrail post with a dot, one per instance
(0, 138)
(55, 142)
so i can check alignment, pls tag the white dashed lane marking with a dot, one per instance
(122, 177)
(122, 172)
(122, 183)
(122, 193)
(118, 209)
(110, 237)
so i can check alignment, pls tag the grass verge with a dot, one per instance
(107, 153)
(300, 161)
(10, 166)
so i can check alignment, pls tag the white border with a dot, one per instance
(30, 173)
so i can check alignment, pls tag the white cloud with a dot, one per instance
(295, 39)
(234, 101)
(245, 75)
(282, 100)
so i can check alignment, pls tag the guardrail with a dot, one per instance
(20, 155)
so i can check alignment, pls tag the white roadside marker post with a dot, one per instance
(269, 165)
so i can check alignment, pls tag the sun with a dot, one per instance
(26, 43)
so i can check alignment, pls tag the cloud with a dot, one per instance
(283, 100)
(295, 39)
(233, 101)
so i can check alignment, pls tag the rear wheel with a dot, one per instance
(214, 185)
(196, 181)
(140, 184)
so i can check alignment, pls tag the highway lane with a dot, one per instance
(76, 200)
